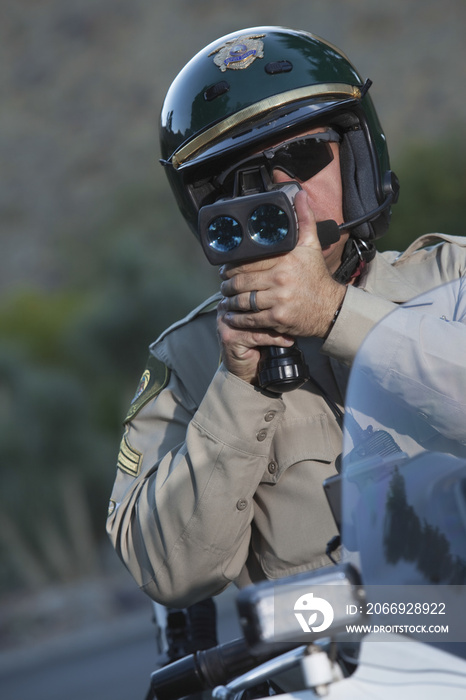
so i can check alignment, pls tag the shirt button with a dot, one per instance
(270, 415)
(241, 504)
(272, 467)
(261, 435)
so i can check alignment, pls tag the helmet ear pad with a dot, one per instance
(359, 186)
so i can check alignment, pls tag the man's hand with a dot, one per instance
(295, 293)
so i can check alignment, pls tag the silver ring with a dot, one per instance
(252, 302)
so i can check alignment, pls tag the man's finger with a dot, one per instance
(306, 221)
(230, 270)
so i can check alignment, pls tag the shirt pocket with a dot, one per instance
(302, 439)
(292, 519)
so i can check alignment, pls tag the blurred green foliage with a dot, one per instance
(70, 360)
(433, 191)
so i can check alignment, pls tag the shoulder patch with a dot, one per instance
(154, 378)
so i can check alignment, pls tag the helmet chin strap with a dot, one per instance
(355, 253)
(357, 250)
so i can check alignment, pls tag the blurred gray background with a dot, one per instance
(82, 82)
(95, 262)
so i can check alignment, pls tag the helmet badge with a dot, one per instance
(239, 53)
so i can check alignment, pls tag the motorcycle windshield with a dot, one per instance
(404, 448)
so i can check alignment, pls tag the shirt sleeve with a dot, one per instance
(358, 315)
(181, 519)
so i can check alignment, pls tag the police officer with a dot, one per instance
(220, 479)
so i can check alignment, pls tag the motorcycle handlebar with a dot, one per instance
(209, 668)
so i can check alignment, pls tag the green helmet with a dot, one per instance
(254, 87)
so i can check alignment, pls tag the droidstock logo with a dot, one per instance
(312, 606)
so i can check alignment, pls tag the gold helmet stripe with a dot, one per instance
(322, 90)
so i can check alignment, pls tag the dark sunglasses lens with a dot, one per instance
(300, 160)
(303, 159)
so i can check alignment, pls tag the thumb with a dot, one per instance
(307, 228)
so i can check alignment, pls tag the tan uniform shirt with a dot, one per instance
(219, 482)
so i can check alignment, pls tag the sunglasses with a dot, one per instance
(300, 158)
